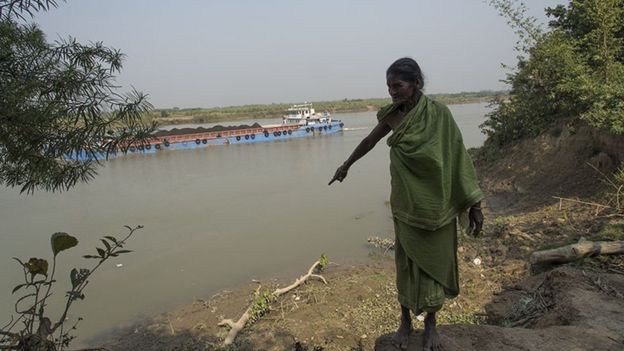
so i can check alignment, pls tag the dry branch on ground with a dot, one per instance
(236, 327)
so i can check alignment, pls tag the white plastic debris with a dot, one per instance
(420, 317)
(477, 261)
(119, 265)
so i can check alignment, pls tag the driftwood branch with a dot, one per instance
(236, 327)
(575, 251)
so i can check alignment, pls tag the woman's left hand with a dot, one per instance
(476, 219)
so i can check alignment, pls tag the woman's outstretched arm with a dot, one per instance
(367, 144)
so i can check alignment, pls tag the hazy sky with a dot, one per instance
(205, 53)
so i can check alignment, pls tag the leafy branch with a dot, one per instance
(62, 111)
(526, 27)
(19, 8)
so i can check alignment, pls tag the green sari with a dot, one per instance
(433, 183)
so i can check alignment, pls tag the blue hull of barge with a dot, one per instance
(304, 131)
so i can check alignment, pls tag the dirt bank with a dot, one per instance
(504, 303)
(573, 306)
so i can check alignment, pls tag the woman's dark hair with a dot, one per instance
(406, 69)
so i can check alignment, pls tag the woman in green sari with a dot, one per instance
(433, 184)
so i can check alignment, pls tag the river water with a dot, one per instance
(214, 219)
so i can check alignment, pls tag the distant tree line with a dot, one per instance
(276, 110)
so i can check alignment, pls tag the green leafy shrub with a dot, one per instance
(37, 331)
(576, 70)
(59, 100)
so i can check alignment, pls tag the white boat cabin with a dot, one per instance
(304, 114)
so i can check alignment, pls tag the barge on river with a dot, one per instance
(300, 121)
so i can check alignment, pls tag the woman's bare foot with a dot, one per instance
(401, 337)
(431, 339)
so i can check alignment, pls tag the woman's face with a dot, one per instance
(400, 91)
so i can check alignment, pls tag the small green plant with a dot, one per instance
(261, 304)
(37, 331)
(323, 262)
(613, 230)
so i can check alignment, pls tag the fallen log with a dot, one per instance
(236, 327)
(576, 251)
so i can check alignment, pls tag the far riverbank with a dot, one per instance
(176, 116)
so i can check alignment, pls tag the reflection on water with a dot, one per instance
(214, 218)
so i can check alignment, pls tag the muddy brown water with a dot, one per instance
(214, 219)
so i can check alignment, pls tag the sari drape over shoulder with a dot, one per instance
(433, 178)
